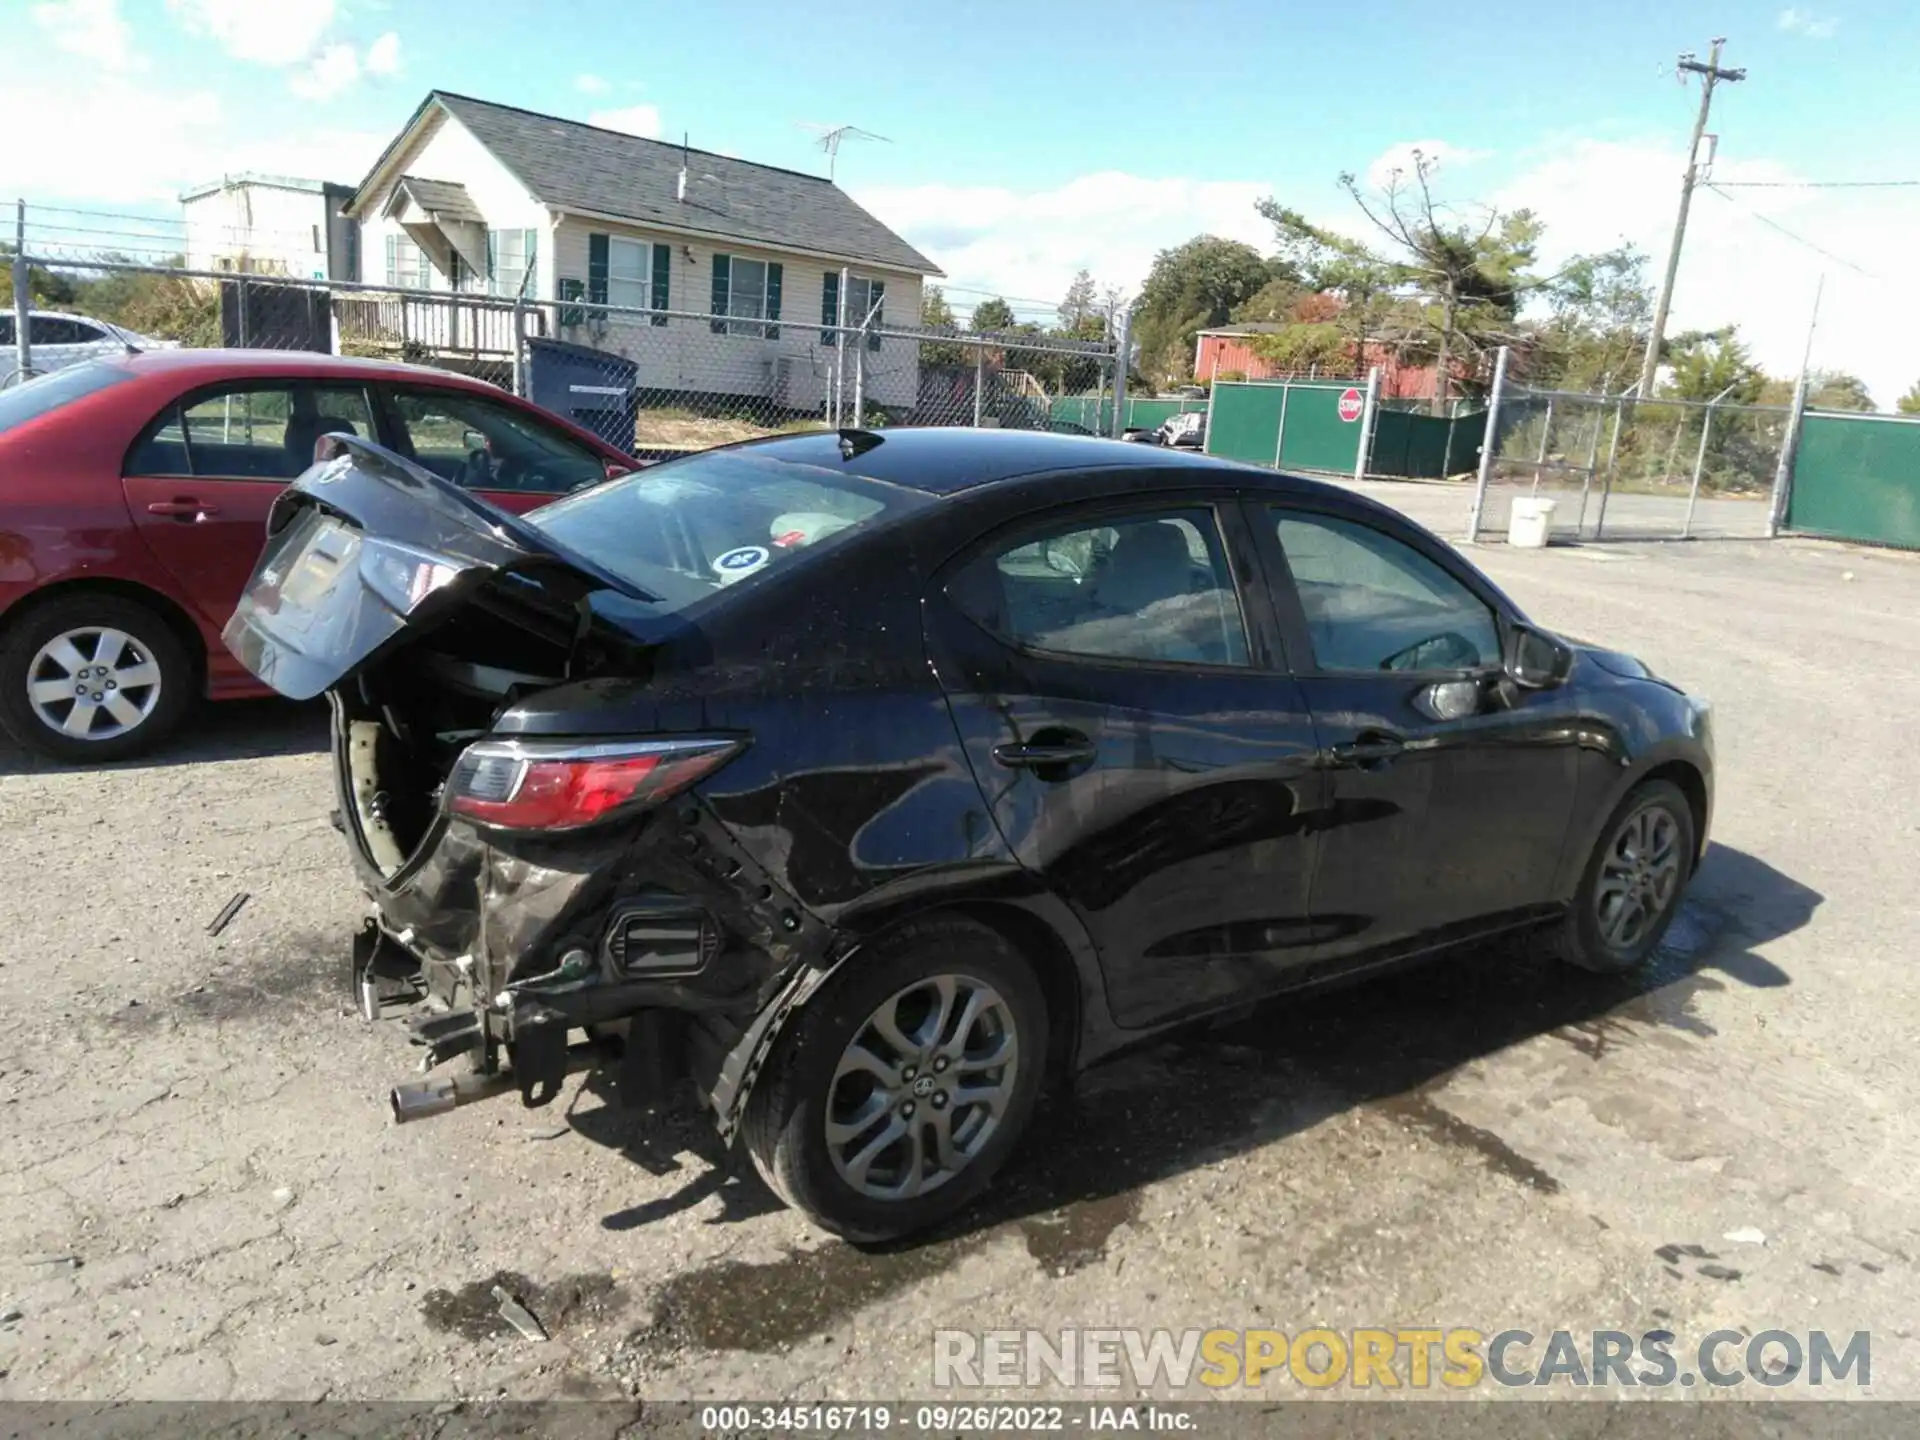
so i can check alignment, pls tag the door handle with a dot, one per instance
(1372, 748)
(186, 508)
(1035, 755)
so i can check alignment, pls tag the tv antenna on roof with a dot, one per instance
(832, 135)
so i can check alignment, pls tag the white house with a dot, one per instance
(484, 199)
(271, 225)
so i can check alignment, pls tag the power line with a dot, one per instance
(1816, 184)
(1798, 239)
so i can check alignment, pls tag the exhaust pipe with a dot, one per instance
(418, 1099)
(439, 1094)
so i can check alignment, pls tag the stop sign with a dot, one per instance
(1351, 405)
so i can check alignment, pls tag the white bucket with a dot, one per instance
(1528, 523)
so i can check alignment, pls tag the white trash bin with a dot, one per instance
(1529, 521)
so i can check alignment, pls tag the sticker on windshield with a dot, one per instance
(736, 564)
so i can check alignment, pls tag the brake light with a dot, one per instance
(543, 785)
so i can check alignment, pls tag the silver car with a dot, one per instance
(56, 341)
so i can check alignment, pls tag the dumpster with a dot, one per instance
(596, 390)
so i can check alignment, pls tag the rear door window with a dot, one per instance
(62, 330)
(482, 445)
(255, 431)
(1151, 586)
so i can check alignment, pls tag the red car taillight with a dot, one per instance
(559, 785)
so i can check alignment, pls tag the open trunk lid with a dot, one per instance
(367, 545)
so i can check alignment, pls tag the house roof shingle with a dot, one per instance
(571, 166)
(439, 197)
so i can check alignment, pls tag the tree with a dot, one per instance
(1273, 303)
(991, 316)
(1838, 390)
(1601, 309)
(1191, 287)
(1710, 364)
(936, 315)
(44, 287)
(1465, 277)
(1909, 403)
(1336, 266)
(1081, 303)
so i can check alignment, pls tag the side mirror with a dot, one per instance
(1535, 660)
(474, 440)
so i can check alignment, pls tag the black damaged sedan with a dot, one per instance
(869, 781)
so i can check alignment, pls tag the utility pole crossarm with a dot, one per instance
(1711, 74)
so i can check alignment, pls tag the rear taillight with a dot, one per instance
(558, 785)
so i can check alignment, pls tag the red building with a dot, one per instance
(1226, 350)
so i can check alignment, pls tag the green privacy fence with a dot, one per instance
(1857, 477)
(1426, 447)
(1095, 412)
(1293, 426)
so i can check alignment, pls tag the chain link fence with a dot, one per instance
(1622, 468)
(657, 382)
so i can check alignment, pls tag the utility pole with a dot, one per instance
(1711, 74)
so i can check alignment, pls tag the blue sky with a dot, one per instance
(1028, 140)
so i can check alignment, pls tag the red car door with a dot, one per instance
(505, 452)
(206, 471)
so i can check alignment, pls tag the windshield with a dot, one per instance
(33, 398)
(690, 528)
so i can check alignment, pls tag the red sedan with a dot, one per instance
(133, 497)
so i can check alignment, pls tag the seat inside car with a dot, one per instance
(305, 430)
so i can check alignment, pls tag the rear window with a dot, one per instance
(34, 398)
(690, 528)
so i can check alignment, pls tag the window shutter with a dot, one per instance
(829, 305)
(393, 260)
(877, 293)
(722, 276)
(597, 269)
(661, 271)
(774, 272)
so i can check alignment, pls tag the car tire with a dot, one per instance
(807, 1085)
(145, 647)
(1632, 885)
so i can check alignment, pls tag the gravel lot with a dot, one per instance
(204, 1197)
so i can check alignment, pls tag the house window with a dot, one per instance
(407, 267)
(747, 292)
(510, 255)
(629, 273)
(866, 305)
(747, 295)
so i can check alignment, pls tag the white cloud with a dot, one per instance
(1027, 246)
(92, 29)
(591, 84)
(1592, 194)
(182, 139)
(1439, 155)
(383, 55)
(634, 120)
(1807, 23)
(334, 69)
(283, 32)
